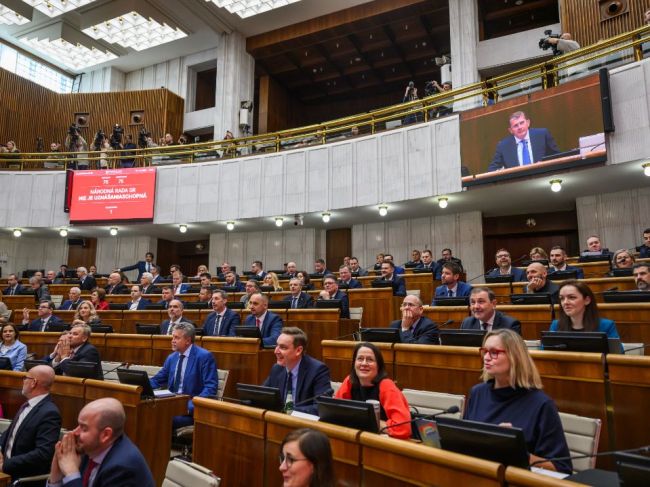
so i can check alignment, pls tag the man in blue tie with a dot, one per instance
(452, 286)
(298, 299)
(222, 321)
(524, 146)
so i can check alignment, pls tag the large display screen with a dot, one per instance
(113, 195)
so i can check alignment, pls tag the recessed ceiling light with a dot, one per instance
(18, 14)
(383, 210)
(53, 8)
(248, 8)
(17, 232)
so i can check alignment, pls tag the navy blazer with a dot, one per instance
(88, 284)
(200, 377)
(345, 303)
(19, 289)
(353, 284)
(580, 273)
(304, 300)
(118, 289)
(398, 283)
(70, 305)
(142, 304)
(426, 332)
(644, 251)
(86, 353)
(271, 327)
(227, 327)
(239, 286)
(501, 320)
(34, 441)
(518, 275)
(164, 326)
(313, 381)
(124, 465)
(462, 290)
(151, 289)
(185, 288)
(140, 265)
(35, 325)
(542, 143)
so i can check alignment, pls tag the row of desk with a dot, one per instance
(148, 422)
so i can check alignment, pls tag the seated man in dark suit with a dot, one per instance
(175, 313)
(189, 370)
(268, 322)
(416, 259)
(451, 286)
(356, 269)
(74, 299)
(61, 275)
(332, 292)
(641, 273)
(45, 317)
(485, 316)
(146, 284)
(594, 247)
(320, 269)
(41, 291)
(295, 371)
(233, 283)
(298, 298)
(644, 250)
(86, 281)
(388, 275)
(178, 285)
(99, 450)
(428, 263)
(257, 268)
(538, 283)
(345, 278)
(115, 285)
(557, 260)
(398, 269)
(447, 256)
(74, 347)
(523, 146)
(28, 444)
(137, 301)
(141, 266)
(167, 296)
(14, 287)
(413, 327)
(504, 267)
(222, 321)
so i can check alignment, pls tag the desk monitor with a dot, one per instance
(530, 298)
(260, 396)
(85, 370)
(381, 284)
(267, 289)
(499, 279)
(562, 275)
(33, 363)
(526, 263)
(594, 257)
(231, 289)
(5, 363)
(461, 338)
(381, 335)
(55, 327)
(626, 297)
(327, 304)
(197, 305)
(101, 329)
(118, 307)
(154, 306)
(345, 412)
(279, 304)
(235, 305)
(249, 332)
(410, 266)
(575, 341)
(136, 378)
(451, 301)
(633, 470)
(142, 329)
(487, 441)
(423, 270)
(621, 272)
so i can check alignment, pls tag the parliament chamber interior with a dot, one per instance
(431, 210)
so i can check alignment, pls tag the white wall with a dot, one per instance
(18, 254)
(102, 80)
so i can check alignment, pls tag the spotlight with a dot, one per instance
(230, 226)
(646, 169)
(279, 221)
(113, 231)
(63, 232)
(326, 217)
(17, 232)
(443, 202)
(556, 185)
(182, 228)
(383, 210)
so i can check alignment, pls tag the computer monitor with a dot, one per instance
(197, 305)
(55, 327)
(626, 297)
(381, 335)
(423, 270)
(267, 289)
(531, 298)
(526, 263)
(5, 363)
(231, 289)
(461, 338)
(409, 265)
(499, 279)
(575, 341)
(633, 470)
(621, 272)
(562, 275)
(248, 332)
(260, 396)
(29, 364)
(505, 445)
(235, 305)
(136, 378)
(118, 306)
(142, 329)
(381, 284)
(327, 304)
(451, 301)
(154, 306)
(279, 304)
(85, 370)
(351, 414)
(101, 329)
(594, 257)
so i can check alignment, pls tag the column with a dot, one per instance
(463, 31)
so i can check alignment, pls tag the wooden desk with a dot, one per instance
(5, 480)
(338, 357)
(40, 343)
(424, 282)
(378, 306)
(630, 387)
(346, 450)
(148, 317)
(388, 462)
(66, 315)
(534, 318)
(440, 314)
(318, 324)
(632, 320)
(11, 395)
(18, 302)
(134, 349)
(143, 418)
(112, 318)
(161, 347)
(69, 393)
(229, 439)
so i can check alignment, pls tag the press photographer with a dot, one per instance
(559, 44)
(116, 137)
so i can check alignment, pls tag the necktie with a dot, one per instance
(43, 325)
(294, 303)
(289, 388)
(85, 481)
(484, 326)
(170, 328)
(148, 267)
(258, 323)
(179, 371)
(217, 323)
(450, 293)
(12, 428)
(525, 156)
(13, 290)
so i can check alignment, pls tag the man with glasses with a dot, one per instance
(27, 446)
(413, 327)
(45, 317)
(483, 305)
(332, 292)
(504, 267)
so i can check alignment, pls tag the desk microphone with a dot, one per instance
(329, 393)
(559, 346)
(446, 323)
(245, 402)
(354, 335)
(449, 410)
(123, 364)
(642, 347)
(642, 449)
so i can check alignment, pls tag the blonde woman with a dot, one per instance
(86, 315)
(271, 279)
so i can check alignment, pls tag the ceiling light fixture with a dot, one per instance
(556, 185)
(15, 12)
(230, 226)
(443, 202)
(279, 221)
(113, 231)
(326, 217)
(248, 8)
(17, 232)
(63, 232)
(383, 210)
(182, 228)
(53, 8)
(646, 169)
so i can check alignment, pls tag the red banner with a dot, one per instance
(113, 195)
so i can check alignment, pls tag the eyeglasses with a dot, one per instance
(288, 459)
(368, 360)
(494, 352)
(502, 256)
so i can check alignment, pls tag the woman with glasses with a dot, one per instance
(511, 396)
(12, 348)
(306, 459)
(368, 380)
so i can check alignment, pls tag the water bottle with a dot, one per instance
(288, 403)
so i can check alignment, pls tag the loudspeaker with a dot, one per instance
(606, 100)
(612, 8)
(137, 117)
(81, 119)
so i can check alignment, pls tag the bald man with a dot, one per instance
(536, 274)
(27, 446)
(98, 453)
(115, 285)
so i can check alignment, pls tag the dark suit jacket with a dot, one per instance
(142, 304)
(426, 332)
(88, 284)
(345, 303)
(239, 286)
(462, 289)
(119, 289)
(518, 275)
(271, 327)
(353, 284)
(304, 300)
(42, 294)
(124, 465)
(140, 265)
(580, 273)
(70, 305)
(86, 353)
(550, 288)
(34, 441)
(227, 327)
(18, 290)
(157, 279)
(150, 290)
(313, 381)
(505, 156)
(164, 326)
(501, 320)
(35, 325)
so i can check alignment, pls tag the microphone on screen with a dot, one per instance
(449, 410)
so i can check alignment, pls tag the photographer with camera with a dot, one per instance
(74, 142)
(558, 43)
(129, 157)
(410, 94)
(432, 88)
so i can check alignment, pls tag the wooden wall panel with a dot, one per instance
(32, 111)
(582, 19)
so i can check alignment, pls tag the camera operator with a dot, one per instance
(55, 158)
(410, 94)
(563, 44)
(116, 137)
(74, 142)
(433, 87)
(105, 155)
(129, 157)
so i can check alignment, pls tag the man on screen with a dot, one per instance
(524, 146)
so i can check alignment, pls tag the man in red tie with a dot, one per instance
(269, 323)
(97, 453)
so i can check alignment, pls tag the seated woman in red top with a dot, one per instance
(368, 380)
(98, 298)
